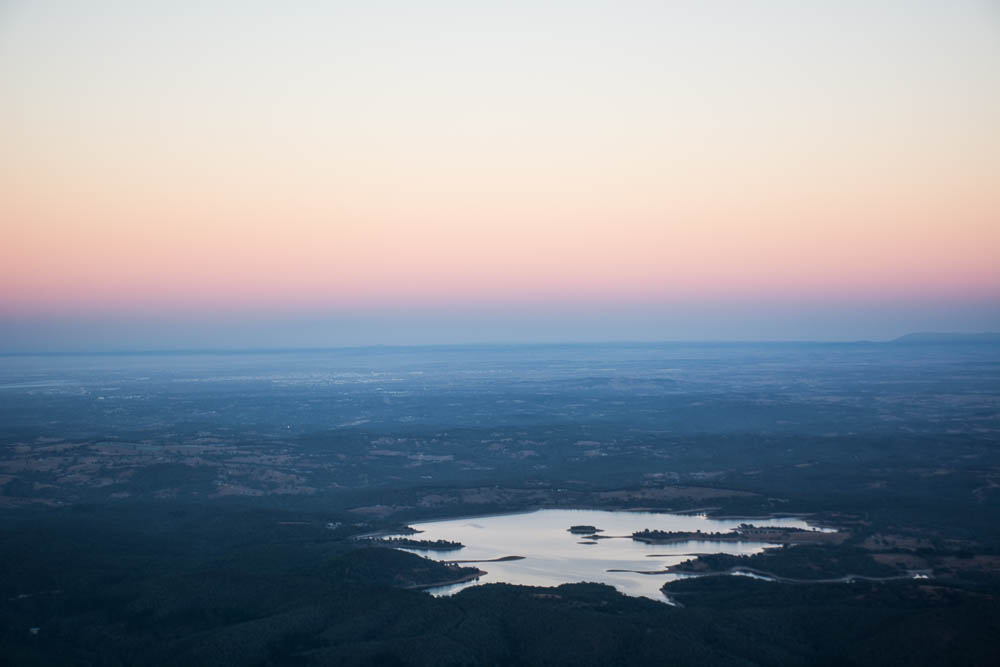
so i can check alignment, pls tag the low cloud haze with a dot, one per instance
(422, 326)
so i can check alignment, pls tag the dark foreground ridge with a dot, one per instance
(236, 586)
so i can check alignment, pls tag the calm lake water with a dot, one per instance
(553, 556)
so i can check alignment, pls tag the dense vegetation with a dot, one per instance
(804, 562)
(648, 535)
(429, 545)
(232, 585)
(202, 510)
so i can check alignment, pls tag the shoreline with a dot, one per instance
(448, 582)
(498, 559)
(770, 576)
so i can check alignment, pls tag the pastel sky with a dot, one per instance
(242, 172)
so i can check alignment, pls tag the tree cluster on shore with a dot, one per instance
(666, 535)
(433, 545)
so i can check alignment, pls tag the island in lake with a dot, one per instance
(584, 530)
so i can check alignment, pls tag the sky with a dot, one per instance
(243, 173)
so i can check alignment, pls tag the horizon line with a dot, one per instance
(984, 336)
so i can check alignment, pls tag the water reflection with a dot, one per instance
(554, 556)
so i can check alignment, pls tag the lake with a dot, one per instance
(554, 556)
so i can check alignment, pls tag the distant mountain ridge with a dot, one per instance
(947, 337)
